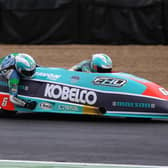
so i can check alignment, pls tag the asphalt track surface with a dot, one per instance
(65, 138)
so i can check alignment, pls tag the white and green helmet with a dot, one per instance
(101, 63)
(25, 64)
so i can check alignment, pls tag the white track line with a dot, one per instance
(83, 164)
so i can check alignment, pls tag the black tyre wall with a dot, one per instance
(118, 22)
(83, 21)
(38, 21)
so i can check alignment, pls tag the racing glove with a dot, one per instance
(31, 105)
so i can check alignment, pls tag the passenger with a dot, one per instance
(13, 68)
(100, 63)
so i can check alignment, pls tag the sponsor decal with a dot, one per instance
(133, 104)
(48, 75)
(67, 108)
(46, 106)
(163, 91)
(70, 94)
(108, 81)
(75, 79)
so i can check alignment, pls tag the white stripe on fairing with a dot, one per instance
(121, 93)
(124, 112)
(107, 112)
(5, 93)
(83, 164)
(54, 101)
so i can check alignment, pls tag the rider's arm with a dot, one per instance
(13, 82)
(17, 101)
(76, 67)
(79, 66)
(13, 90)
(1, 59)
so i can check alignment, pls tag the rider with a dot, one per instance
(13, 68)
(98, 63)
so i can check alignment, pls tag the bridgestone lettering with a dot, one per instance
(65, 93)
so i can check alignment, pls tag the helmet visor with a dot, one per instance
(103, 70)
(28, 73)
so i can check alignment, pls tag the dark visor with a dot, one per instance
(28, 73)
(103, 70)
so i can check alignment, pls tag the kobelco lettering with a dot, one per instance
(65, 93)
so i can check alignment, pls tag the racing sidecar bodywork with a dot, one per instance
(59, 90)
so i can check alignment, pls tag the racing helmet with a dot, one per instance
(25, 65)
(101, 63)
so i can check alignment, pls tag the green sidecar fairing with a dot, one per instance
(59, 90)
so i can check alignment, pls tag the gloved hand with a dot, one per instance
(31, 105)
